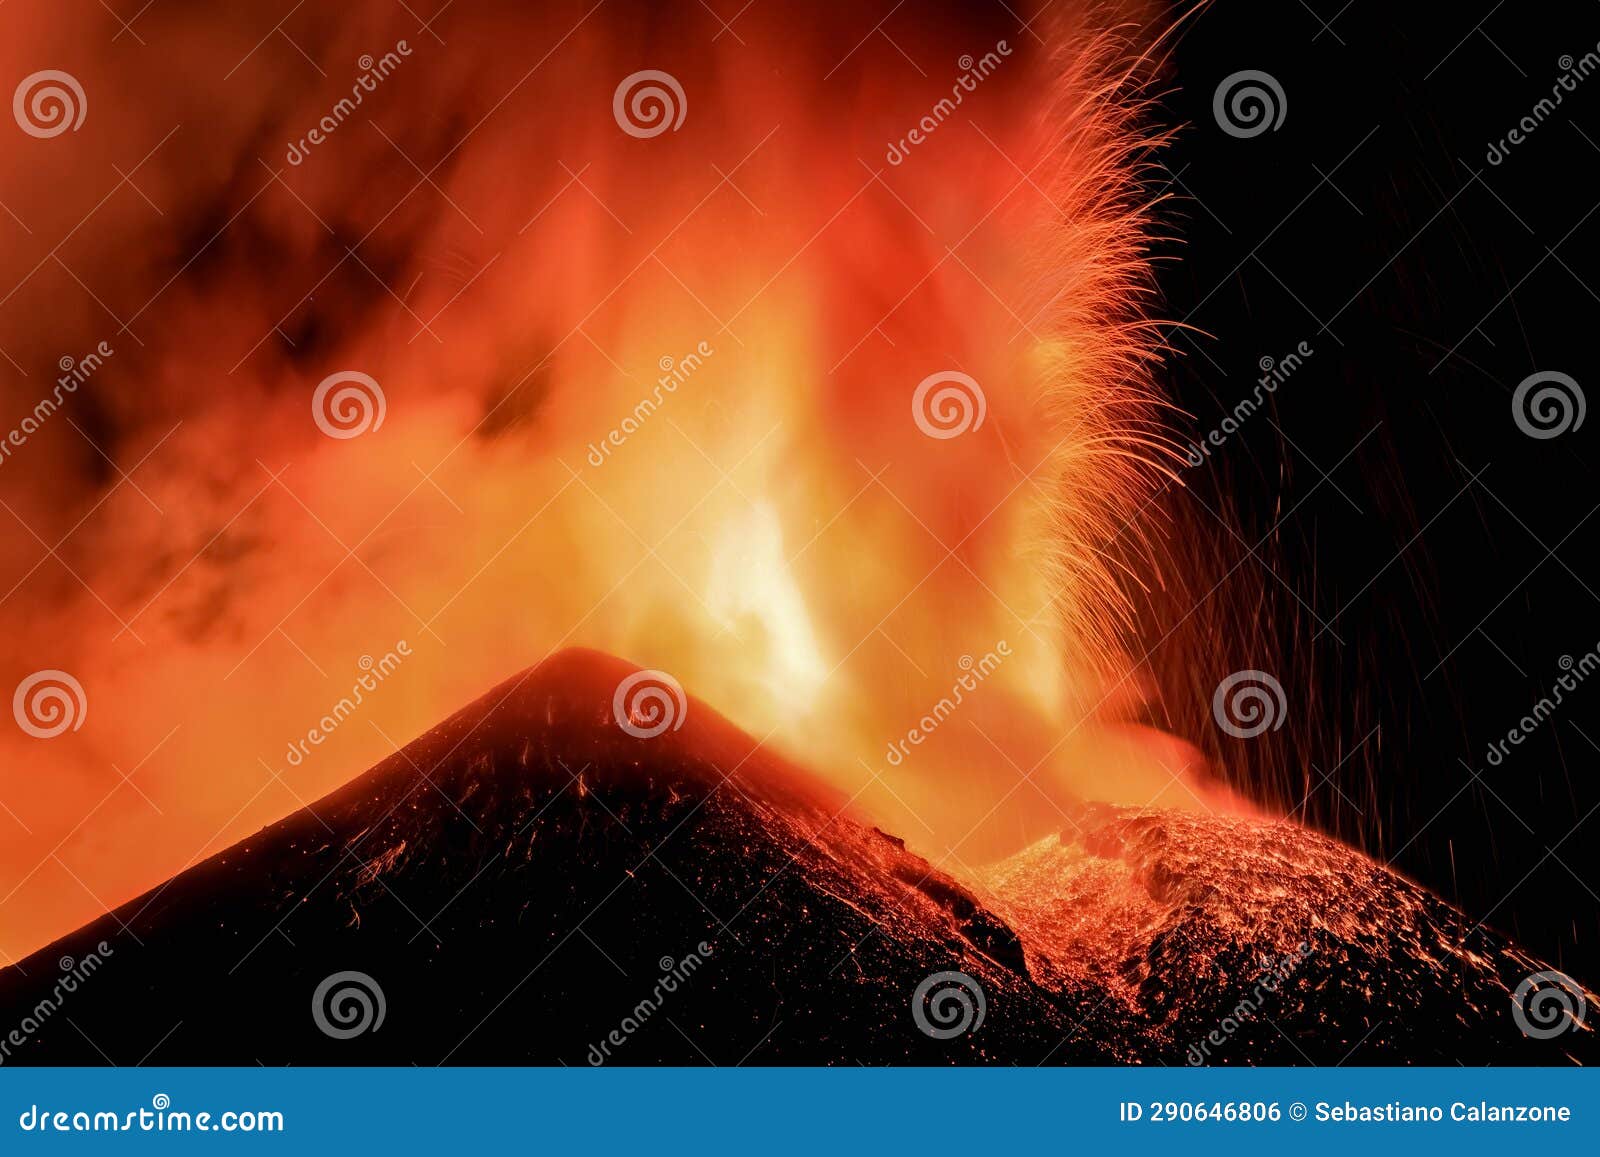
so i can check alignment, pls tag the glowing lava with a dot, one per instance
(648, 392)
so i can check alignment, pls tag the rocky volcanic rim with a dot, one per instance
(1179, 918)
(514, 878)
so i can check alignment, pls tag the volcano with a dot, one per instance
(552, 876)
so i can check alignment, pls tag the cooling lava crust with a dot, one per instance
(528, 883)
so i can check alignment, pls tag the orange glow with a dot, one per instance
(652, 395)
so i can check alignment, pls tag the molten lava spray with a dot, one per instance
(802, 359)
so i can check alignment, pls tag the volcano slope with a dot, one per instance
(530, 883)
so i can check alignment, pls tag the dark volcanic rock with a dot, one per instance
(517, 881)
(530, 884)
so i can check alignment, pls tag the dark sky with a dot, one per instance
(1423, 569)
